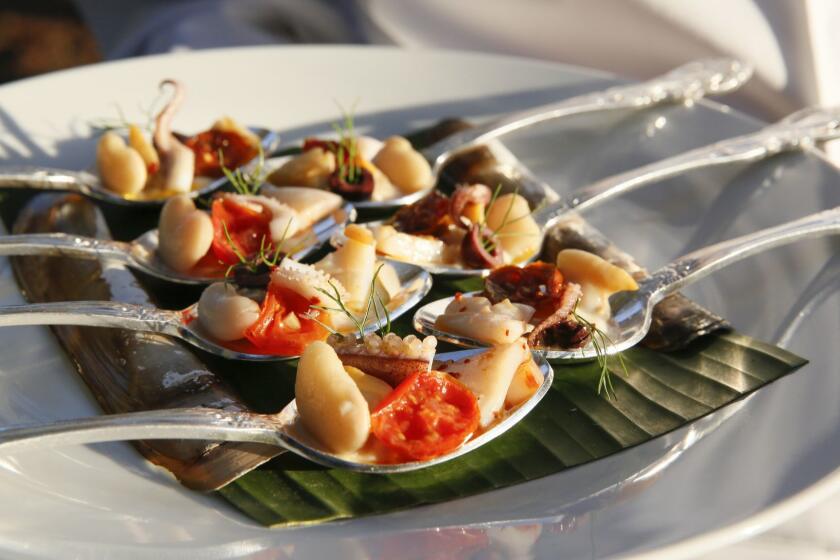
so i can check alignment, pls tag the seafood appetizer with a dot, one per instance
(359, 168)
(246, 226)
(167, 163)
(279, 308)
(555, 306)
(384, 399)
(474, 228)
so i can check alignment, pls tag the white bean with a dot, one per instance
(331, 405)
(224, 314)
(403, 165)
(184, 233)
(121, 167)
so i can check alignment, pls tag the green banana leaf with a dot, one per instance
(573, 425)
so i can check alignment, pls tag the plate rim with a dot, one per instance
(771, 516)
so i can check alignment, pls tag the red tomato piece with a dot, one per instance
(236, 151)
(246, 226)
(429, 414)
(271, 336)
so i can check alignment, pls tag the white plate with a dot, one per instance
(104, 501)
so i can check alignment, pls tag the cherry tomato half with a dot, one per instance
(269, 334)
(429, 414)
(245, 225)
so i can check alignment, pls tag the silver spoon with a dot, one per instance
(184, 324)
(798, 131)
(90, 185)
(282, 429)
(689, 82)
(141, 254)
(632, 311)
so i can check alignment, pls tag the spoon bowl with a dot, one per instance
(141, 254)
(184, 324)
(90, 185)
(632, 312)
(283, 429)
(798, 131)
(690, 81)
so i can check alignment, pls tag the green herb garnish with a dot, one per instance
(246, 183)
(600, 341)
(374, 304)
(349, 170)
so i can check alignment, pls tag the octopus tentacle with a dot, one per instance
(177, 161)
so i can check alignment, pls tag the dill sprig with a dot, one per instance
(246, 182)
(600, 340)
(348, 147)
(374, 304)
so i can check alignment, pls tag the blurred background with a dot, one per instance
(792, 44)
(38, 36)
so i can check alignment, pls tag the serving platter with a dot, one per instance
(757, 455)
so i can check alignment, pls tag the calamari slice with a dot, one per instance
(477, 318)
(411, 248)
(489, 375)
(353, 264)
(311, 205)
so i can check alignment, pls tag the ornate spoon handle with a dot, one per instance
(25, 177)
(64, 245)
(93, 314)
(691, 81)
(188, 423)
(799, 130)
(699, 264)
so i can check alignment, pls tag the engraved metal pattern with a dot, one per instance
(689, 82)
(415, 283)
